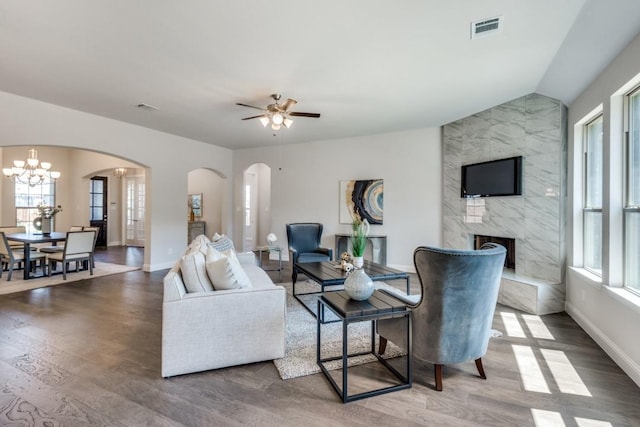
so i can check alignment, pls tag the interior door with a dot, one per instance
(134, 221)
(98, 207)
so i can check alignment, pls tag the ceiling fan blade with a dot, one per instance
(295, 113)
(250, 106)
(253, 117)
(288, 104)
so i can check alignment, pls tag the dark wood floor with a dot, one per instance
(88, 353)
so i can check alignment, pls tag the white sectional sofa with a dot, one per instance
(213, 329)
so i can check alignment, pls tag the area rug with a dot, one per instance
(300, 353)
(17, 284)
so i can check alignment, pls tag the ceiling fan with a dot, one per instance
(278, 114)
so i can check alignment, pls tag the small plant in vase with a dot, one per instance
(46, 215)
(360, 231)
(357, 284)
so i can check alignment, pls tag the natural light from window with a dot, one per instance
(530, 372)
(564, 373)
(537, 327)
(543, 418)
(512, 325)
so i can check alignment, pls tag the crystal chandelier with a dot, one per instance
(32, 171)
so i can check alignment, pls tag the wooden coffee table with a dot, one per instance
(326, 274)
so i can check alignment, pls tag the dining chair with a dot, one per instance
(95, 240)
(14, 229)
(78, 247)
(10, 257)
(59, 248)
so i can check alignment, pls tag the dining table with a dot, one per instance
(30, 238)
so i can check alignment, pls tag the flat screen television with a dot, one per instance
(494, 178)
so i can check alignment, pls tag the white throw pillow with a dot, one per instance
(199, 244)
(214, 254)
(194, 272)
(227, 273)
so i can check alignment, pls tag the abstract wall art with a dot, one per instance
(363, 199)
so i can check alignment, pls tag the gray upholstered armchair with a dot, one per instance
(304, 245)
(452, 317)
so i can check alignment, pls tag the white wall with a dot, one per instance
(27, 122)
(609, 314)
(306, 189)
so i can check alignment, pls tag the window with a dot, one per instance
(592, 206)
(632, 197)
(28, 198)
(247, 205)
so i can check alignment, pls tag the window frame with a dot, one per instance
(586, 209)
(35, 195)
(627, 206)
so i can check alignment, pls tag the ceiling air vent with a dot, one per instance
(147, 107)
(486, 27)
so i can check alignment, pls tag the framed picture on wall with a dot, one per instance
(195, 203)
(362, 199)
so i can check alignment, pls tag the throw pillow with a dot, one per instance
(227, 273)
(214, 254)
(198, 244)
(224, 243)
(194, 272)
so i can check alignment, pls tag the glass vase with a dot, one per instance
(359, 285)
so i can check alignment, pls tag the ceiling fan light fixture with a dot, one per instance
(277, 114)
(277, 119)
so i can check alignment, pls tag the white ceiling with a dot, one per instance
(368, 66)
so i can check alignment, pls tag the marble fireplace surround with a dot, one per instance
(533, 126)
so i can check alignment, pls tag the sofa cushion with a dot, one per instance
(227, 273)
(194, 272)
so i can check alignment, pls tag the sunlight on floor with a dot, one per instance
(530, 372)
(554, 419)
(564, 373)
(537, 327)
(558, 364)
(512, 325)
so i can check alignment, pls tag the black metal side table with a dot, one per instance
(379, 306)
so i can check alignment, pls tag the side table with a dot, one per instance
(378, 306)
(269, 250)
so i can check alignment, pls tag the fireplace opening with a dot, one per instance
(509, 244)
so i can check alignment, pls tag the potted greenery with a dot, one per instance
(46, 216)
(360, 231)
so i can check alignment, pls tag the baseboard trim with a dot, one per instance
(628, 365)
(156, 267)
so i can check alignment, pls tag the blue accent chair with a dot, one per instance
(451, 319)
(304, 245)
